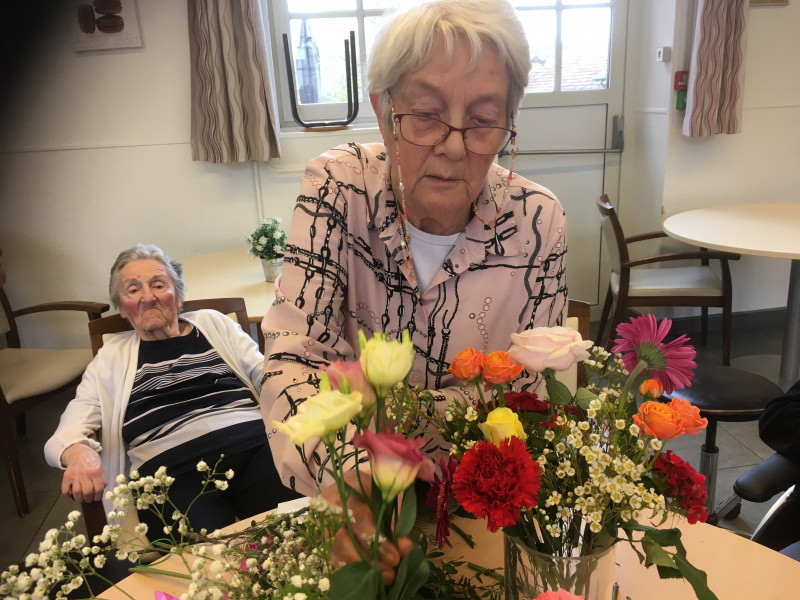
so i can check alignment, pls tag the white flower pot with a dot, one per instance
(272, 267)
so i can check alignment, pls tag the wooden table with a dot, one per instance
(769, 229)
(737, 568)
(230, 274)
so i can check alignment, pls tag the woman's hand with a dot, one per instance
(84, 480)
(364, 528)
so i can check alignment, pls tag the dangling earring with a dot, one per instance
(405, 239)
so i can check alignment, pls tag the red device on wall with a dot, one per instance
(680, 85)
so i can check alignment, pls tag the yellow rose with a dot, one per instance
(320, 416)
(500, 424)
(385, 363)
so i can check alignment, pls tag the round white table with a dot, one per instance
(768, 229)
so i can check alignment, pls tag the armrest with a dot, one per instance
(92, 309)
(702, 255)
(773, 476)
(651, 235)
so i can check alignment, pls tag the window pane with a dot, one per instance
(524, 3)
(379, 4)
(585, 38)
(584, 2)
(315, 6)
(540, 29)
(319, 58)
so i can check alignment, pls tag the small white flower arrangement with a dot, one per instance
(268, 241)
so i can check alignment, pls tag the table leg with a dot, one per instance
(790, 354)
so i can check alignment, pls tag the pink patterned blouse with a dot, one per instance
(344, 270)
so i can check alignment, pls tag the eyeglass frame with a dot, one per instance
(398, 118)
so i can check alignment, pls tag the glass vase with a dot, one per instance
(272, 267)
(529, 572)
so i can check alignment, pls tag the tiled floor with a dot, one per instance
(739, 444)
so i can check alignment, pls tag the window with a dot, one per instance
(570, 42)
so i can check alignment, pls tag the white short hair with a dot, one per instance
(146, 252)
(407, 41)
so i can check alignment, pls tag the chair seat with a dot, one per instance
(27, 372)
(672, 281)
(728, 394)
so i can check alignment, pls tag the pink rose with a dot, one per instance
(342, 370)
(558, 595)
(395, 460)
(541, 348)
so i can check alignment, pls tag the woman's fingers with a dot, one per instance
(84, 478)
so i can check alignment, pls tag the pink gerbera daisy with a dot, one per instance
(671, 364)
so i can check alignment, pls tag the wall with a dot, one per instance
(96, 157)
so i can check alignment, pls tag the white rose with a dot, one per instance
(556, 348)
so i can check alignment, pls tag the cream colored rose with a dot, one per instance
(556, 348)
(320, 416)
(500, 424)
(385, 363)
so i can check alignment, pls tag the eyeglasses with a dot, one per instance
(428, 131)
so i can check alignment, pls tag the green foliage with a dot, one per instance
(268, 241)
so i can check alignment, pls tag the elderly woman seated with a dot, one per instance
(177, 389)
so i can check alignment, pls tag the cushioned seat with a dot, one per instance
(724, 394)
(26, 372)
(679, 281)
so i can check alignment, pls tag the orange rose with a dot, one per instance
(690, 415)
(499, 367)
(467, 364)
(659, 420)
(653, 387)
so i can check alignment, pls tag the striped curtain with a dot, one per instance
(716, 75)
(234, 116)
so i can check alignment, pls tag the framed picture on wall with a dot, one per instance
(105, 24)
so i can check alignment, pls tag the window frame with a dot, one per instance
(280, 17)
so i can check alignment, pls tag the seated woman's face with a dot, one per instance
(148, 299)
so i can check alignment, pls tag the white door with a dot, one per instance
(567, 132)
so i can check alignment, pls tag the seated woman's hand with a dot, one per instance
(84, 478)
(364, 528)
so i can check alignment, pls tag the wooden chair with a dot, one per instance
(578, 319)
(94, 513)
(670, 286)
(31, 376)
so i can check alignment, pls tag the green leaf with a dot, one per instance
(412, 573)
(584, 397)
(355, 581)
(558, 392)
(656, 555)
(696, 578)
(408, 514)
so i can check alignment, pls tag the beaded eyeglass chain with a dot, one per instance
(506, 182)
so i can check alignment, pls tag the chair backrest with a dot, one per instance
(117, 324)
(612, 231)
(578, 319)
(6, 318)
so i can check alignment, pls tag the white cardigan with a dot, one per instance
(102, 396)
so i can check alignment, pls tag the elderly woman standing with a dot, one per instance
(422, 232)
(177, 389)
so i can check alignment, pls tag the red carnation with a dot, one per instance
(497, 481)
(527, 401)
(683, 482)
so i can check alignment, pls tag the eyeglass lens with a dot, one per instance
(427, 131)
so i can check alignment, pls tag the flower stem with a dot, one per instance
(152, 571)
(464, 535)
(488, 572)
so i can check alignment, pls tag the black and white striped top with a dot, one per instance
(187, 404)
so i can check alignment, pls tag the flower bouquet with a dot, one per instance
(568, 476)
